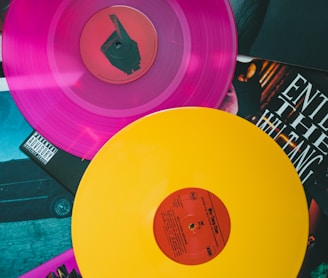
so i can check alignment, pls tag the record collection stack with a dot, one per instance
(154, 139)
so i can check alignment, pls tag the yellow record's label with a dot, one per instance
(191, 226)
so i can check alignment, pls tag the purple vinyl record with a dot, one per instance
(80, 71)
(66, 259)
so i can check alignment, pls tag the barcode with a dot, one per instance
(42, 149)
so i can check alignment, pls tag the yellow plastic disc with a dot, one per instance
(190, 192)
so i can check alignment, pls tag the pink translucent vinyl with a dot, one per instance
(67, 258)
(77, 112)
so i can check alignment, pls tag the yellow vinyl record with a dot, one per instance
(190, 192)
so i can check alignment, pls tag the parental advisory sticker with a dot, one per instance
(39, 147)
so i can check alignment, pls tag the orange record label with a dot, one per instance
(191, 226)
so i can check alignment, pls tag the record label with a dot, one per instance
(191, 226)
(127, 40)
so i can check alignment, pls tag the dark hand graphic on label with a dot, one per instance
(120, 49)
